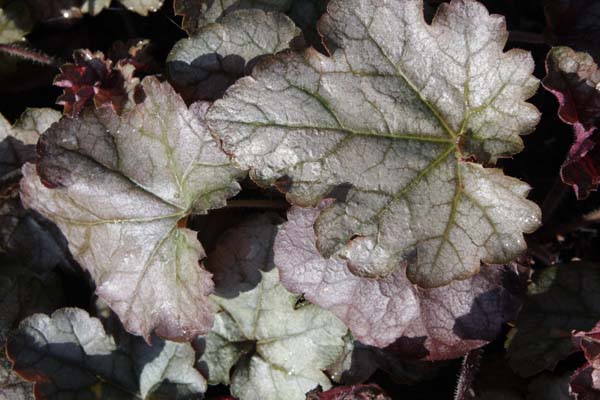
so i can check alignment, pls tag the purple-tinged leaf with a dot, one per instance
(574, 79)
(585, 383)
(433, 324)
(121, 187)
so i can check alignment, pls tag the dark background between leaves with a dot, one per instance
(538, 164)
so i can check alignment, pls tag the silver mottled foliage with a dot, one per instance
(122, 186)
(69, 355)
(275, 350)
(200, 63)
(393, 118)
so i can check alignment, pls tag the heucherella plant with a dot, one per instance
(302, 199)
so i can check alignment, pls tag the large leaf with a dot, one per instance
(70, 354)
(434, 323)
(199, 13)
(270, 348)
(574, 79)
(205, 65)
(561, 299)
(391, 123)
(121, 187)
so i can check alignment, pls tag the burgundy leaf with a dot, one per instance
(434, 324)
(574, 78)
(92, 77)
(585, 383)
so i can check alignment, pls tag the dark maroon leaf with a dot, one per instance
(433, 324)
(585, 383)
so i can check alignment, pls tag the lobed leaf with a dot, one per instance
(70, 354)
(205, 65)
(391, 124)
(585, 382)
(439, 323)
(574, 79)
(118, 187)
(270, 348)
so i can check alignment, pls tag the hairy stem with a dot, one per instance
(28, 54)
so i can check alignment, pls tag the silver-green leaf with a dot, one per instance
(269, 348)
(391, 124)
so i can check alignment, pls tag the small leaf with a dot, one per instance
(199, 13)
(274, 351)
(91, 77)
(574, 79)
(560, 299)
(205, 65)
(439, 323)
(391, 122)
(70, 354)
(121, 187)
